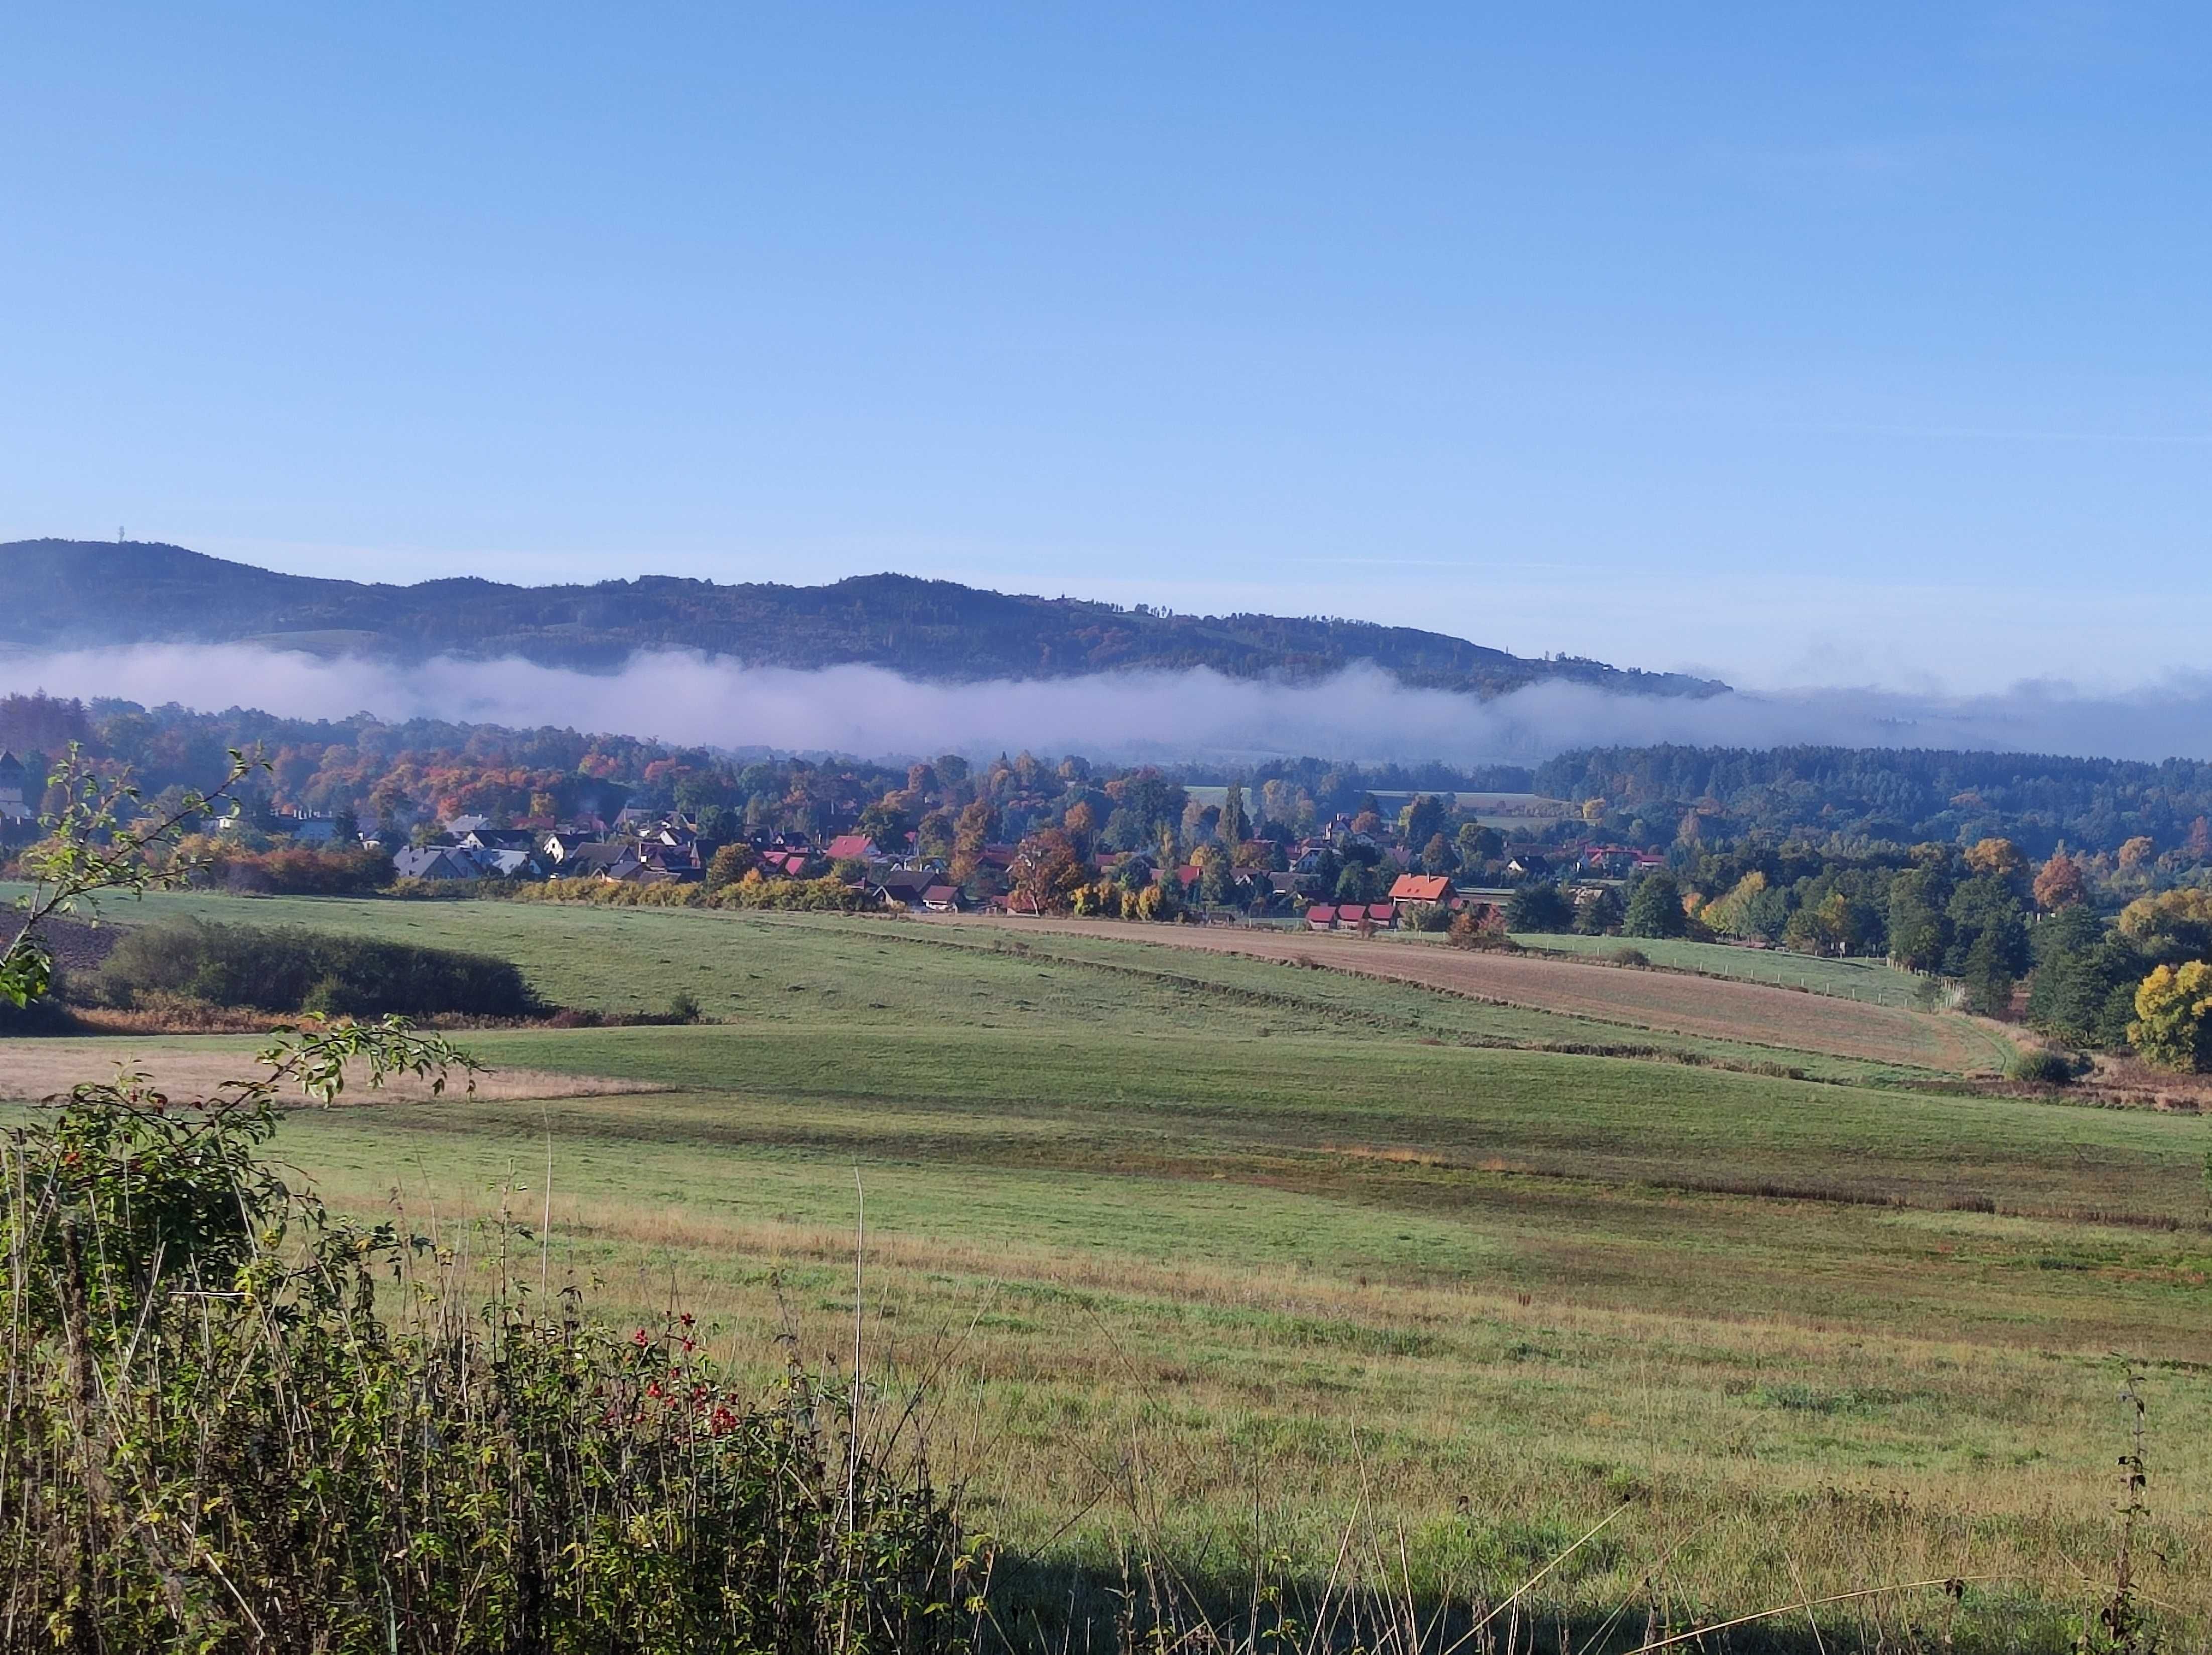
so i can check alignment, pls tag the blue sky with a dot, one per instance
(1850, 345)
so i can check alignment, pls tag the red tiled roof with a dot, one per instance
(850, 847)
(1421, 888)
(1382, 910)
(1322, 915)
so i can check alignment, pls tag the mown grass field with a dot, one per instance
(1869, 981)
(1209, 1254)
(1667, 1002)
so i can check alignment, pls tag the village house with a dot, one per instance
(557, 847)
(682, 863)
(499, 839)
(905, 889)
(617, 859)
(1435, 889)
(439, 861)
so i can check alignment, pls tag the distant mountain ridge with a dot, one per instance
(66, 594)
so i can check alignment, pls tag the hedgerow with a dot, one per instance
(290, 969)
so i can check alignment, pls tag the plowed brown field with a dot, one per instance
(1677, 1002)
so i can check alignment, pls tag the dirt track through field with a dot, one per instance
(36, 1069)
(1705, 1007)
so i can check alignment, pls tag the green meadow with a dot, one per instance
(1213, 1258)
(1870, 980)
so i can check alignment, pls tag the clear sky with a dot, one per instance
(1804, 345)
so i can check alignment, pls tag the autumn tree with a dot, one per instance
(2173, 1017)
(970, 833)
(2172, 926)
(2000, 857)
(1081, 822)
(730, 864)
(1731, 914)
(1047, 872)
(1258, 856)
(2135, 853)
(2058, 883)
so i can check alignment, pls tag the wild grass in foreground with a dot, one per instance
(419, 1475)
(1200, 1360)
(213, 1436)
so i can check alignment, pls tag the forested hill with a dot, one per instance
(63, 593)
(2042, 800)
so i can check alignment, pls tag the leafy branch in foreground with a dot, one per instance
(95, 845)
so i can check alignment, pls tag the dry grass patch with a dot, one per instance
(32, 1070)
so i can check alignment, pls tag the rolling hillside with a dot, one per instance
(65, 593)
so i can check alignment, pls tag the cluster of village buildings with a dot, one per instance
(647, 847)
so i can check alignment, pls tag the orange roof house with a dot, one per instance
(1421, 888)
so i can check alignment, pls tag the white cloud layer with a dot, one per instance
(1361, 714)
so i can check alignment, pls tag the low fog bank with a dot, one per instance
(1361, 714)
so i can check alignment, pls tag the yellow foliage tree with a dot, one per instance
(1729, 915)
(2181, 919)
(2173, 1017)
(1996, 856)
